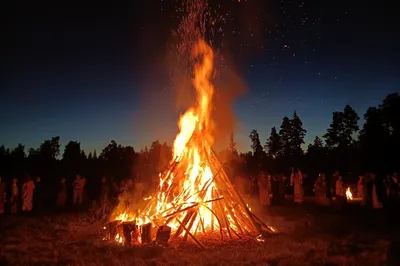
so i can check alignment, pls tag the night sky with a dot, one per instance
(98, 71)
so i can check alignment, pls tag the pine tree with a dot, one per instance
(232, 144)
(297, 135)
(285, 136)
(273, 145)
(256, 143)
(343, 127)
(292, 136)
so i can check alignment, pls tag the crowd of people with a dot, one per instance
(30, 196)
(369, 190)
(272, 189)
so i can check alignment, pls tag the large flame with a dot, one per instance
(194, 185)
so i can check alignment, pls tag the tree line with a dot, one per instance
(345, 147)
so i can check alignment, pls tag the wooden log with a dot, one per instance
(127, 229)
(190, 234)
(135, 235)
(189, 227)
(112, 230)
(202, 225)
(145, 233)
(181, 210)
(163, 235)
(183, 223)
(212, 217)
(219, 222)
(235, 220)
(263, 224)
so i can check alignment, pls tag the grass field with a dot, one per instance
(307, 236)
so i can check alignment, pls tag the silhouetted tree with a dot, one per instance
(379, 137)
(18, 153)
(258, 152)
(285, 136)
(292, 136)
(73, 159)
(273, 145)
(342, 128)
(340, 139)
(256, 143)
(4, 160)
(316, 156)
(232, 144)
(72, 151)
(297, 135)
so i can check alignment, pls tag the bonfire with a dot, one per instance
(194, 196)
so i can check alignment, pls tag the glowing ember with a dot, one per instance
(349, 195)
(194, 195)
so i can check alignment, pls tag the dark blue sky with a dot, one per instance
(97, 72)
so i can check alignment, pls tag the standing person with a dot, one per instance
(27, 195)
(282, 188)
(328, 188)
(263, 189)
(335, 177)
(104, 197)
(340, 193)
(296, 180)
(79, 184)
(376, 203)
(360, 187)
(14, 196)
(276, 179)
(2, 195)
(394, 190)
(366, 193)
(320, 190)
(38, 195)
(62, 193)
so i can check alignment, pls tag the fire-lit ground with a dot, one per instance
(309, 236)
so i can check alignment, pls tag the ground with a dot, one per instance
(308, 235)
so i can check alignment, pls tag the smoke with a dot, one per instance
(228, 89)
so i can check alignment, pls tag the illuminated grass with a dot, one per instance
(321, 238)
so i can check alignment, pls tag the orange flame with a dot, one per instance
(189, 192)
(195, 128)
(349, 195)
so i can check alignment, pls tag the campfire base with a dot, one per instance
(111, 230)
(163, 235)
(127, 229)
(128, 233)
(146, 235)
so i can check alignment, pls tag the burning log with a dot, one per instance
(146, 235)
(127, 229)
(163, 235)
(112, 229)
(191, 235)
(135, 235)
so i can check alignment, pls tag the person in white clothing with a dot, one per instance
(340, 193)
